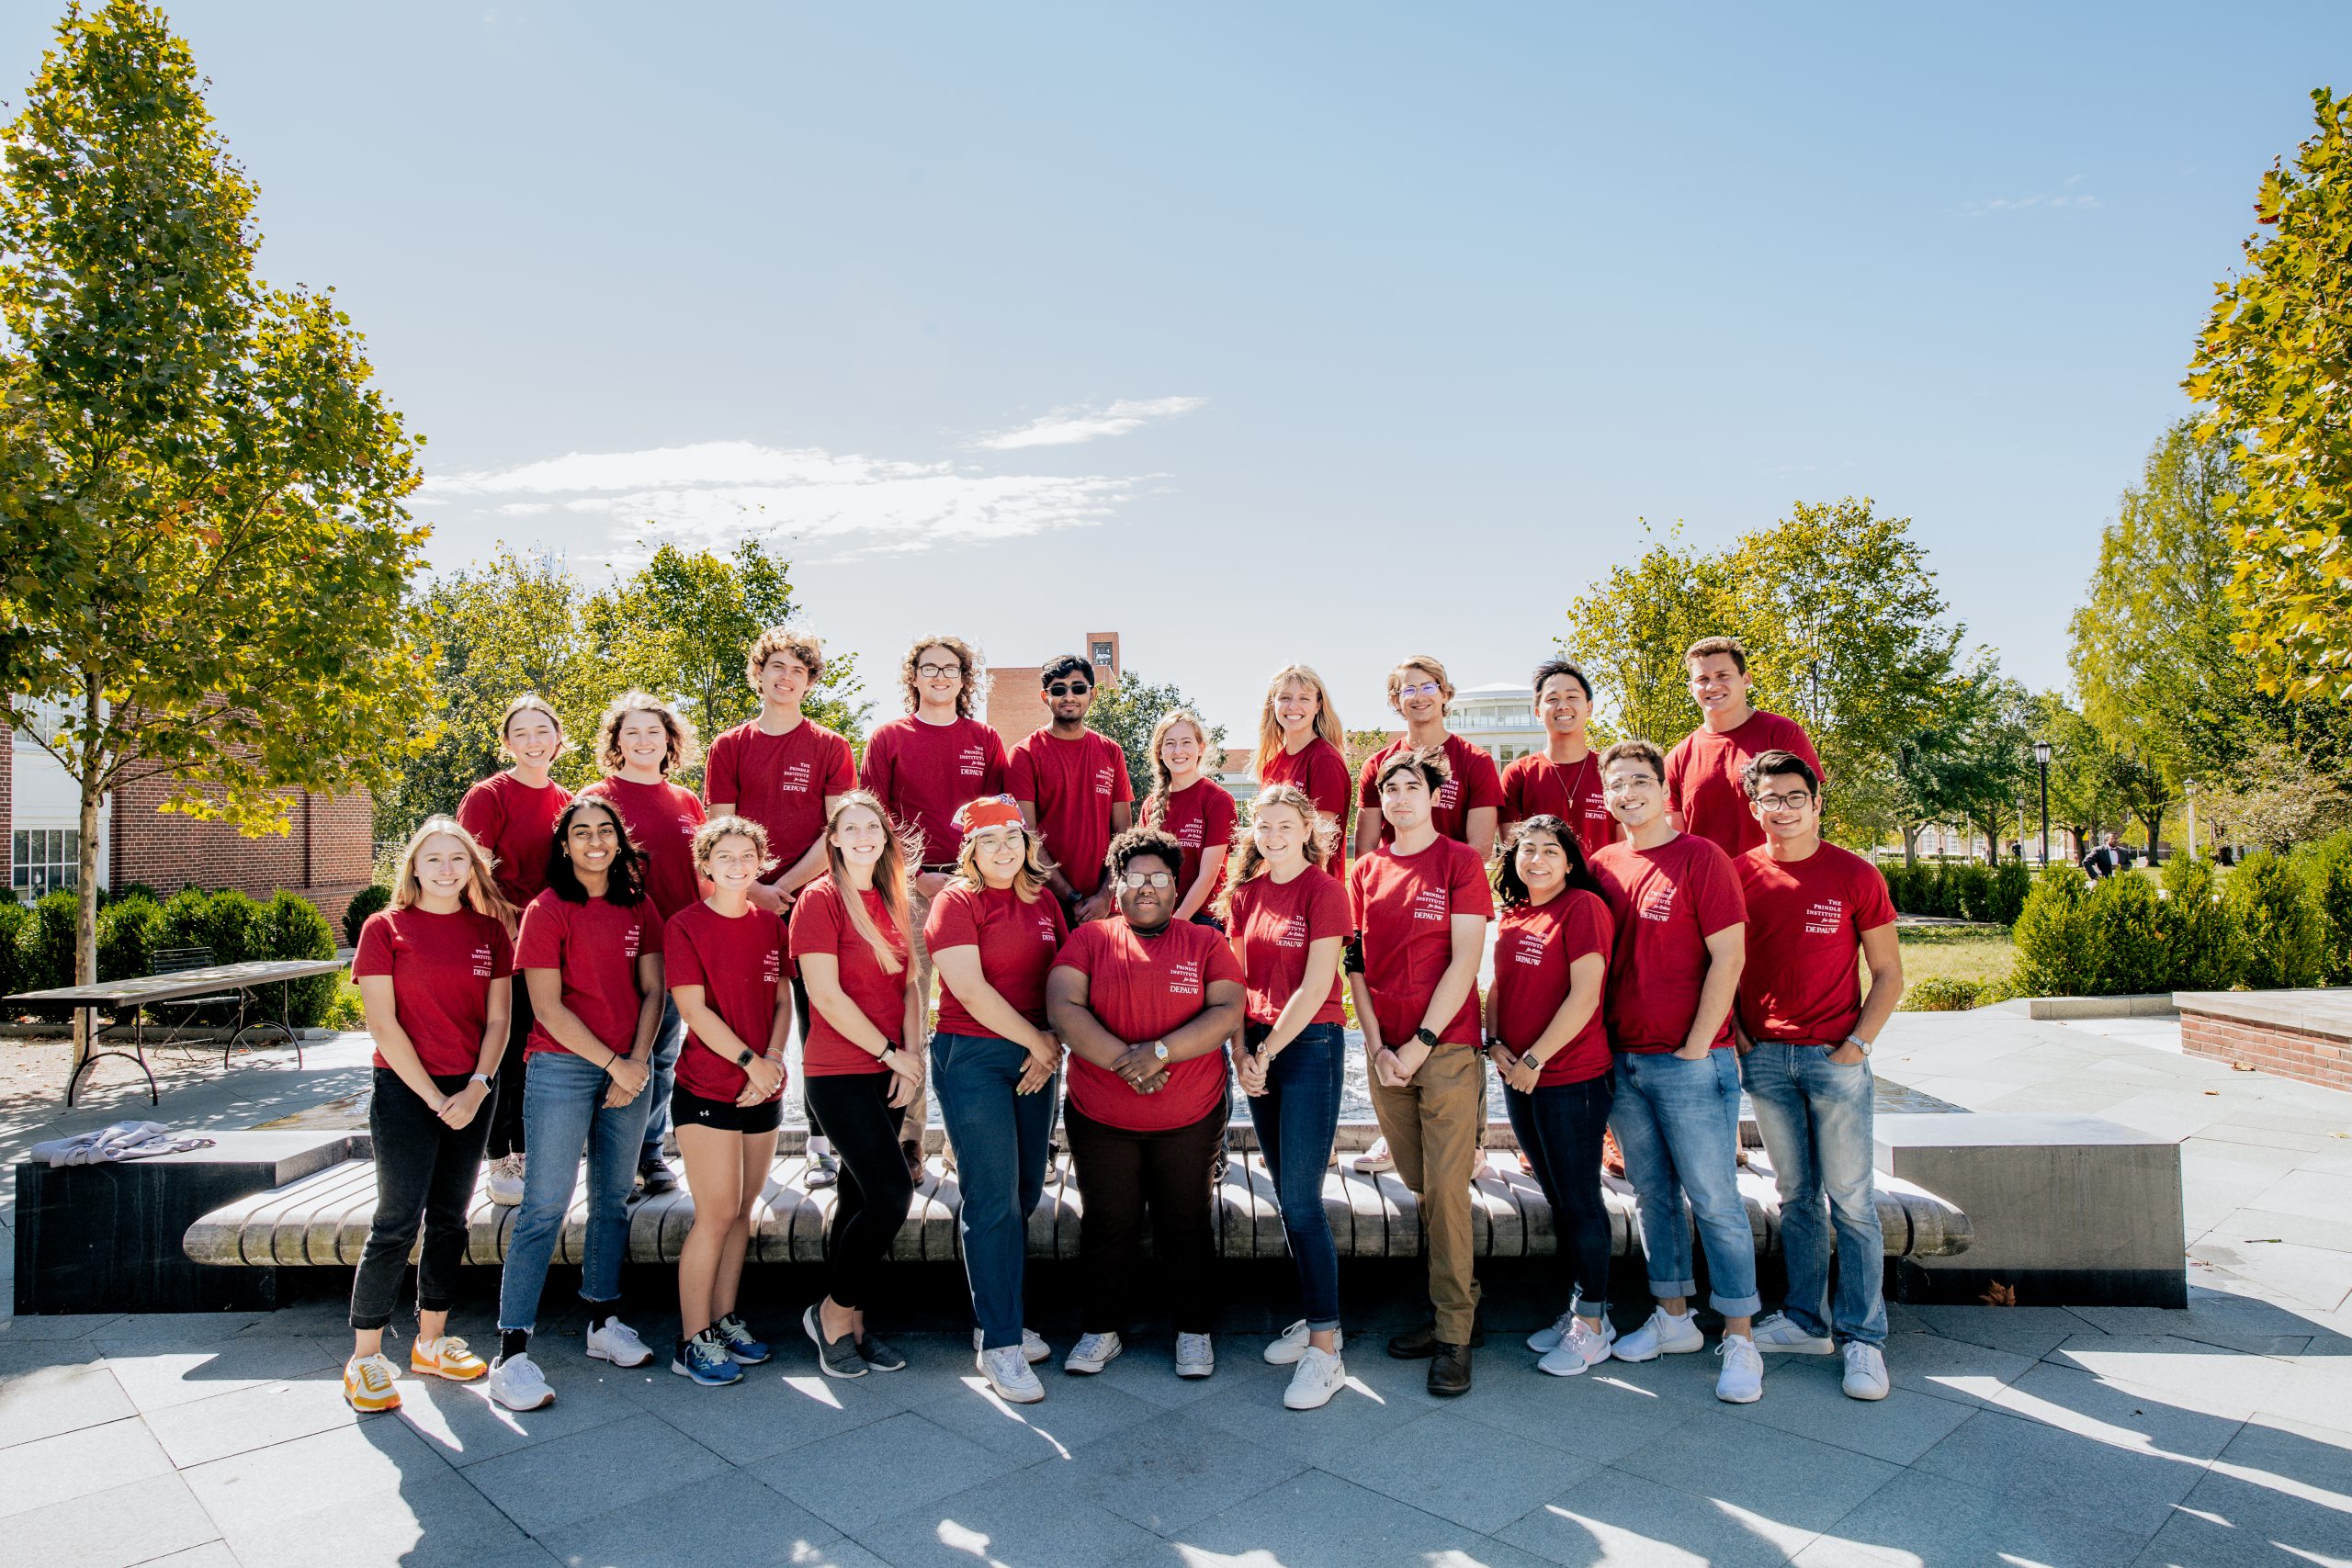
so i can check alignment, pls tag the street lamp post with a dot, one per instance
(2188, 787)
(2041, 763)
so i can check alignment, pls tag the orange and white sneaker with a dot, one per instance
(368, 1385)
(446, 1357)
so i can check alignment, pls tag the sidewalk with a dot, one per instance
(2215, 1436)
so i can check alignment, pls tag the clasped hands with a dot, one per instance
(1142, 1069)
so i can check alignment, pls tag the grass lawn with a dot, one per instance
(1958, 953)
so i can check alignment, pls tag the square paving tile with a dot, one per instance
(47, 1400)
(205, 1429)
(382, 1494)
(770, 1411)
(158, 1376)
(1951, 1368)
(1168, 1473)
(1074, 1412)
(76, 1464)
(467, 1427)
(1467, 1471)
(1603, 1412)
(2227, 1520)
(836, 1480)
(543, 1486)
(2116, 1476)
(2029, 1331)
(1932, 1522)
(733, 1523)
(1794, 1480)
(1319, 1520)
(1616, 1518)
(136, 1523)
(1023, 1518)
(1806, 1395)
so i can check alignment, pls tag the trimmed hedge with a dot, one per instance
(2327, 873)
(1961, 890)
(2275, 914)
(364, 903)
(37, 942)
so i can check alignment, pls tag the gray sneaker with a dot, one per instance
(836, 1357)
(878, 1354)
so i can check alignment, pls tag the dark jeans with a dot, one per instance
(1560, 1127)
(425, 1171)
(506, 1108)
(870, 1203)
(1120, 1173)
(1001, 1139)
(668, 1037)
(1297, 1120)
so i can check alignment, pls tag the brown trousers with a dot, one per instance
(1432, 1126)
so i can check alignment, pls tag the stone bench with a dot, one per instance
(322, 1220)
(2303, 1034)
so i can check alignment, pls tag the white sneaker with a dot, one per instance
(1742, 1381)
(1865, 1372)
(617, 1342)
(1195, 1359)
(1377, 1158)
(1662, 1335)
(1780, 1332)
(1092, 1354)
(1545, 1340)
(1007, 1372)
(1320, 1375)
(1033, 1344)
(1293, 1344)
(517, 1383)
(1580, 1352)
(505, 1180)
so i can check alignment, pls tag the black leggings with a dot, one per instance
(504, 1108)
(425, 1170)
(1560, 1127)
(870, 1204)
(1120, 1173)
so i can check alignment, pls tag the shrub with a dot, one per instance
(2123, 940)
(364, 903)
(1942, 993)
(2201, 947)
(1971, 893)
(49, 943)
(126, 937)
(2278, 922)
(16, 923)
(289, 926)
(346, 1013)
(222, 922)
(2327, 873)
(2050, 938)
(2010, 883)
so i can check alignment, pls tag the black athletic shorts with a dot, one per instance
(688, 1109)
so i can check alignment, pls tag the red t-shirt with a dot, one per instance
(820, 923)
(780, 782)
(1273, 925)
(1201, 818)
(1143, 989)
(1806, 920)
(442, 968)
(738, 962)
(594, 945)
(925, 772)
(1536, 787)
(1472, 783)
(1017, 943)
(1404, 907)
(1666, 902)
(516, 824)
(1534, 945)
(661, 819)
(1073, 784)
(1319, 770)
(1703, 778)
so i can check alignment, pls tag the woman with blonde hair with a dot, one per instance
(993, 934)
(641, 744)
(1300, 743)
(861, 1064)
(432, 970)
(1192, 808)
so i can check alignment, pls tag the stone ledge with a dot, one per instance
(2321, 1010)
(2158, 1004)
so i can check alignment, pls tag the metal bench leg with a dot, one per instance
(133, 1054)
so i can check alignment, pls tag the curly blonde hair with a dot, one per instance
(806, 649)
(684, 750)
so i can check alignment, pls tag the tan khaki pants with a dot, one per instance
(1432, 1126)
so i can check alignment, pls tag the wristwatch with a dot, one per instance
(1530, 1059)
(1159, 1049)
(743, 1057)
(1426, 1036)
(482, 1078)
(1858, 1044)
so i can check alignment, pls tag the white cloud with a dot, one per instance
(2063, 200)
(1068, 427)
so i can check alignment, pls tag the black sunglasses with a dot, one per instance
(1069, 689)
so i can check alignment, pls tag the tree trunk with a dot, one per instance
(2154, 824)
(86, 915)
(1910, 846)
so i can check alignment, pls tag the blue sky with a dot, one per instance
(1265, 333)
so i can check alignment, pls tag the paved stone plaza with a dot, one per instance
(2220, 1435)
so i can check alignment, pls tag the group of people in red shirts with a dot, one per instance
(562, 978)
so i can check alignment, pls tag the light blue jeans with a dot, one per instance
(564, 1112)
(1815, 1117)
(667, 1039)
(1677, 1124)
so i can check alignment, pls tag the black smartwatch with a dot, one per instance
(1426, 1036)
(743, 1057)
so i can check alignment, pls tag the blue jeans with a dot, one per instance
(1559, 1128)
(666, 1043)
(1296, 1119)
(1678, 1124)
(1001, 1140)
(1815, 1117)
(563, 1112)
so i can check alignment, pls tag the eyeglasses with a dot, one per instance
(1797, 800)
(1426, 689)
(1159, 879)
(938, 672)
(1069, 689)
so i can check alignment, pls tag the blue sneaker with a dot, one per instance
(742, 1346)
(703, 1358)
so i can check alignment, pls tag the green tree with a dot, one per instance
(2275, 361)
(1127, 708)
(1629, 631)
(1971, 762)
(205, 554)
(2084, 798)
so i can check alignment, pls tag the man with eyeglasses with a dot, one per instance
(1468, 806)
(1706, 772)
(1072, 784)
(1805, 1031)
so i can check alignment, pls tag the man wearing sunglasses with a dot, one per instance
(1072, 786)
(1805, 1032)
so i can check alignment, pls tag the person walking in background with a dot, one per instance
(1072, 786)
(1146, 1003)
(2108, 858)
(996, 1062)
(863, 1064)
(1287, 920)
(641, 743)
(1805, 1028)
(785, 772)
(723, 957)
(1300, 743)
(1705, 776)
(1679, 942)
(1468, 804)
(1419, 904)
(510, 814)
(1190, 807)
(433, 970)
(591, 950)
(1564, 779)
(1547, 1040)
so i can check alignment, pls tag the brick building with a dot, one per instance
(1016, 704)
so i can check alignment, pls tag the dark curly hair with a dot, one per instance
(624, 883)
(1139, 841)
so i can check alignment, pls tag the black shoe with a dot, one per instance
(1419, 1344)
(1450, 1371)
(879, 1356)
(653, 1173)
